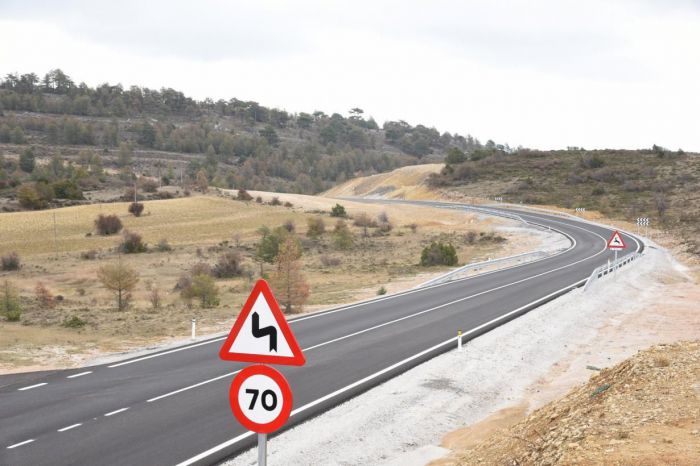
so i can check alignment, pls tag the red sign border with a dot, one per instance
(225, 353)
(624, 246)
(275, 375)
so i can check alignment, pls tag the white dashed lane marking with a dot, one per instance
(32, 386)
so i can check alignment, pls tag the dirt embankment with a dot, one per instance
(643, 411)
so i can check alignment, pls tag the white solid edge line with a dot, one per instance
(363, 303)
(79, 375)
(166, 352)
(69, 427)
(116, 412)
(192, 386)
(376, 300)
(20, 444)
(199, 384)
(32, 386)
(373, 376)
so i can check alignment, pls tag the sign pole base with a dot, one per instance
(262, 449)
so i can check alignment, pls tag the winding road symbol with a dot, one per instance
(269, 331)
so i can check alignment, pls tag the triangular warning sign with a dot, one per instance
(616, 242)
(261, 334)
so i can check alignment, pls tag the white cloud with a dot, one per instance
(543, 74)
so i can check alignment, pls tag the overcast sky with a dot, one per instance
(545, 74)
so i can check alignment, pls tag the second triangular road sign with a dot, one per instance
(616, 242)
(261, 334)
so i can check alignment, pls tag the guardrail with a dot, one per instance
(526, 256)
(610, 267)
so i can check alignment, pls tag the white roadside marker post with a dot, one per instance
(459, 341)
(262, 449)
(194, 327)
(615, 263)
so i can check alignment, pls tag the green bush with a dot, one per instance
(132, 243)
(338, 211)
(66, 189)
(10, 261)
(74, 322)
(438, 253)
(9, 303)
(381, 291)
(136, 209)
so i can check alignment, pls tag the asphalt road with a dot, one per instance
(172, 407)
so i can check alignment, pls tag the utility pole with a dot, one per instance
(55, 241)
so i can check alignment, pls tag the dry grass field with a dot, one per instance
(199, 229)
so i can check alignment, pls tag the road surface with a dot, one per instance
(171, 407)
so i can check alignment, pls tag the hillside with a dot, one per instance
(108, 135)
(661, 185)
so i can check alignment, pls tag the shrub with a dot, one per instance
(275, 201)
(258, 199)
(315, 227)
(88, 255)
(29, 197)
(163, 246)
(243, 195)
(364, 220)
(149, 186)
(383, 217)
(329, 261)
(9, 303)
(132, 243)
(438, 253)
(591, 161)
(413, 227)
(288, 204)
(203, 288)
(470, 237)
(10, 261)
(385, 227)
(201, 268)
(136, 208)
(74, 322)
(228, 265)
(154, 297)
(66, 189)
(338, 211)
(44, 296)
(342, 236)
(289, 226)
(381, 291)
(108, 225)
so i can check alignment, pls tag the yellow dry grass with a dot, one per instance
(402, 183)
(200, 228)
(201, 219)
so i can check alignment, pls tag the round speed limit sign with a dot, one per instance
(260, 399)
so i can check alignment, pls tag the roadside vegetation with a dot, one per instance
(97, 278)
(661, 184)
(62, 141)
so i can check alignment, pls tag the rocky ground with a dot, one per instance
(643, 411)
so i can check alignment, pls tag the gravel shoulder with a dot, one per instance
(519, 366)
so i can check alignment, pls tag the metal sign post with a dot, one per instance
(262, 449)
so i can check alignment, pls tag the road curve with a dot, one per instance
(171, 407)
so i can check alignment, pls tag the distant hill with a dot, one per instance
(238, 144)
(656, 183)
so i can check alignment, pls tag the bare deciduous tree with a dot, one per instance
(119, 279)
(287, 281)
